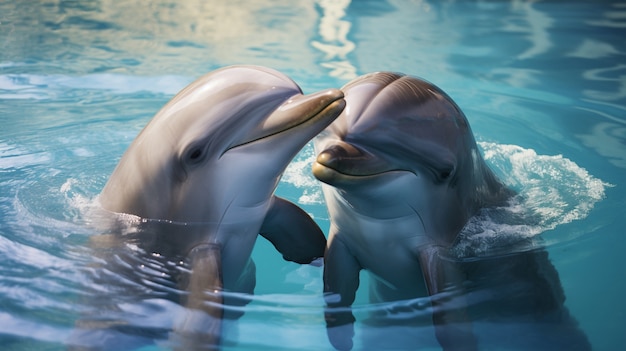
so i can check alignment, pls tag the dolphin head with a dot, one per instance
(219, 144)
(402, 146)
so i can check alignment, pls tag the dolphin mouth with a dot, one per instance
(330, 175)
(342, 161)
(299, 111)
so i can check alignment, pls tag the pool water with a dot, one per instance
(543, 85)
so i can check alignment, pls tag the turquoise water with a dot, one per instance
(543, 85)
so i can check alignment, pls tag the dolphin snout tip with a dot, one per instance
(331, 156)
(335, 93)
(327, 161)
(322, 172)
(329, 96)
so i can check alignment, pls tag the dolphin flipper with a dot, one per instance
(444, 280)
(200, 325)
(293, 232)
(341, 281)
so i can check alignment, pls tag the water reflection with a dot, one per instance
(403, 36)
(609, 140)
(536, 28)
(515, 302)
(593, 49)
(614, 78)
(334, 29)
(188, 38)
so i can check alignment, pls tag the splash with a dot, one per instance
(551, 191)
(299, 175)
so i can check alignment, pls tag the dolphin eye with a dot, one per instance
(195, 155)
(446, 173)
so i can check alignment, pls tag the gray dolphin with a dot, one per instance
(202, 173)
(402, 176)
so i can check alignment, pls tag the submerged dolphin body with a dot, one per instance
(402, 176)
(201, 177)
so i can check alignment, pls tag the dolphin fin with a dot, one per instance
(201, 325)
(293, 232)
(341, 281)
(444, 280)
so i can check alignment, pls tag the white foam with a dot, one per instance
(551, 191)
(299, 174)
(554, 187)
(84, 209)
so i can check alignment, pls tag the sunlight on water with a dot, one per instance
(11, 157)
(22, 86)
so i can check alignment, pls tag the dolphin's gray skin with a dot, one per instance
(402, 176)
(201, 177)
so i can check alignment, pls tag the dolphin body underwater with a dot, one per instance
(401, 176)
(198, 184)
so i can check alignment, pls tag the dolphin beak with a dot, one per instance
(202, 322)
(328, 162)
(342, 161)
(319, 108)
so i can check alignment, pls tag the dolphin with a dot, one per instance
(200, 178)
(401, 176)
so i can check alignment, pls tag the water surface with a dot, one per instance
(543, 85)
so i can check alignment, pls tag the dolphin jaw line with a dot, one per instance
(322, 171)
